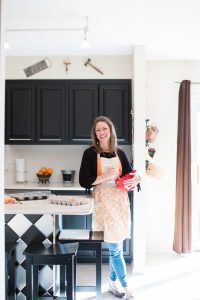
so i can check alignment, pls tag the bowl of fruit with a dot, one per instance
(44, 174)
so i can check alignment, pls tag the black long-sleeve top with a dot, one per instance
(88, 168)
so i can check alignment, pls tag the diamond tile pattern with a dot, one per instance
(33, 234)
(19, 224)
(24, 229)
(46, 282)
(20, 250)
(45, 224)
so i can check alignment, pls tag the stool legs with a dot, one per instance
(62, 280)
(66, 273)
(28, 279)
(35, 270)
(10, 286)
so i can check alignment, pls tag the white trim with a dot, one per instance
(2, 104)
(139, 108)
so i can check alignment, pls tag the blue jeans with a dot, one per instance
(117, 263)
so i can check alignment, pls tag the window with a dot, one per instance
(195, 140)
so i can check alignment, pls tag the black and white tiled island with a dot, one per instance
(37, 221)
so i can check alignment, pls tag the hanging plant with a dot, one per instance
(146, 164)
(151, 152)
(151, 132)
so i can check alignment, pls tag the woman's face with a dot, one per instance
(102, 131)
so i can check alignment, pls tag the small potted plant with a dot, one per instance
(151, 152)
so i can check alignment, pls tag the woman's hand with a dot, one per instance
(132, 182)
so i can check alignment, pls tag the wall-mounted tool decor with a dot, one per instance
(66, 63)
(88, 62)
(38, 67)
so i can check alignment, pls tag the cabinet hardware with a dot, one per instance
(19, 139)
(49, 139)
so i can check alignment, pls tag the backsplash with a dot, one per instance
(58, 157)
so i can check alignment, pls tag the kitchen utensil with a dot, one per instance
(68, 176)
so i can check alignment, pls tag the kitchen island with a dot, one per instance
(27, 227)
(58, 186)
(38, 221)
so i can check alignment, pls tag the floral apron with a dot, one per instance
(111, 212)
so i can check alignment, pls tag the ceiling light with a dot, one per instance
(6, 45)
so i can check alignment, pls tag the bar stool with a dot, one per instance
(94, 243)
(10, 257)
(55, 254)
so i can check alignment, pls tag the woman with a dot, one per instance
(101, 164)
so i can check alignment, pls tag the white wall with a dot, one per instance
(58, 157)
(162, 109)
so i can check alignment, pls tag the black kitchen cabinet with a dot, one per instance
(91, 98)
(83, 110)
(51, 102)
(114, 102)
(63, 111)
(20, 112)
(35, 111)
(85, 222)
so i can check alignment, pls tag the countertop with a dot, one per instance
(45, 207)
(44, 186)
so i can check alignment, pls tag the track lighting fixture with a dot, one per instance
(85, 43)
(85, 30)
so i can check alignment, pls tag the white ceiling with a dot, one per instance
(168, 29)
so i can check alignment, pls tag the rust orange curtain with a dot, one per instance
(182, 232)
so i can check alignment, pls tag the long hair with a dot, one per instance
(113, 136)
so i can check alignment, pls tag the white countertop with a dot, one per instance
(44, 207)
(44, 186)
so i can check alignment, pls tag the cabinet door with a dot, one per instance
(83, 100)
(115, 103)
(20, 112)
(50, 113)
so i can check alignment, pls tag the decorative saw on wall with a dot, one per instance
(38, 67)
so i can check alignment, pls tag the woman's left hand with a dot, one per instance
(132, 182)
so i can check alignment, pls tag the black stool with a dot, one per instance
(94, 243)
(56, 254)
(10, 257)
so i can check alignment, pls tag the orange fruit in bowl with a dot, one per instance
(49, 171)
(43, 170)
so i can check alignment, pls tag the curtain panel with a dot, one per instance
(182, 231)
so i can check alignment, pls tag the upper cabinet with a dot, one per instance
(83, 101)
(63, 111)
(20, 112)
(35, 111)
(50, 117)
(115, 103)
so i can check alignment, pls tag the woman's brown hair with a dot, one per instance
(113, 136)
